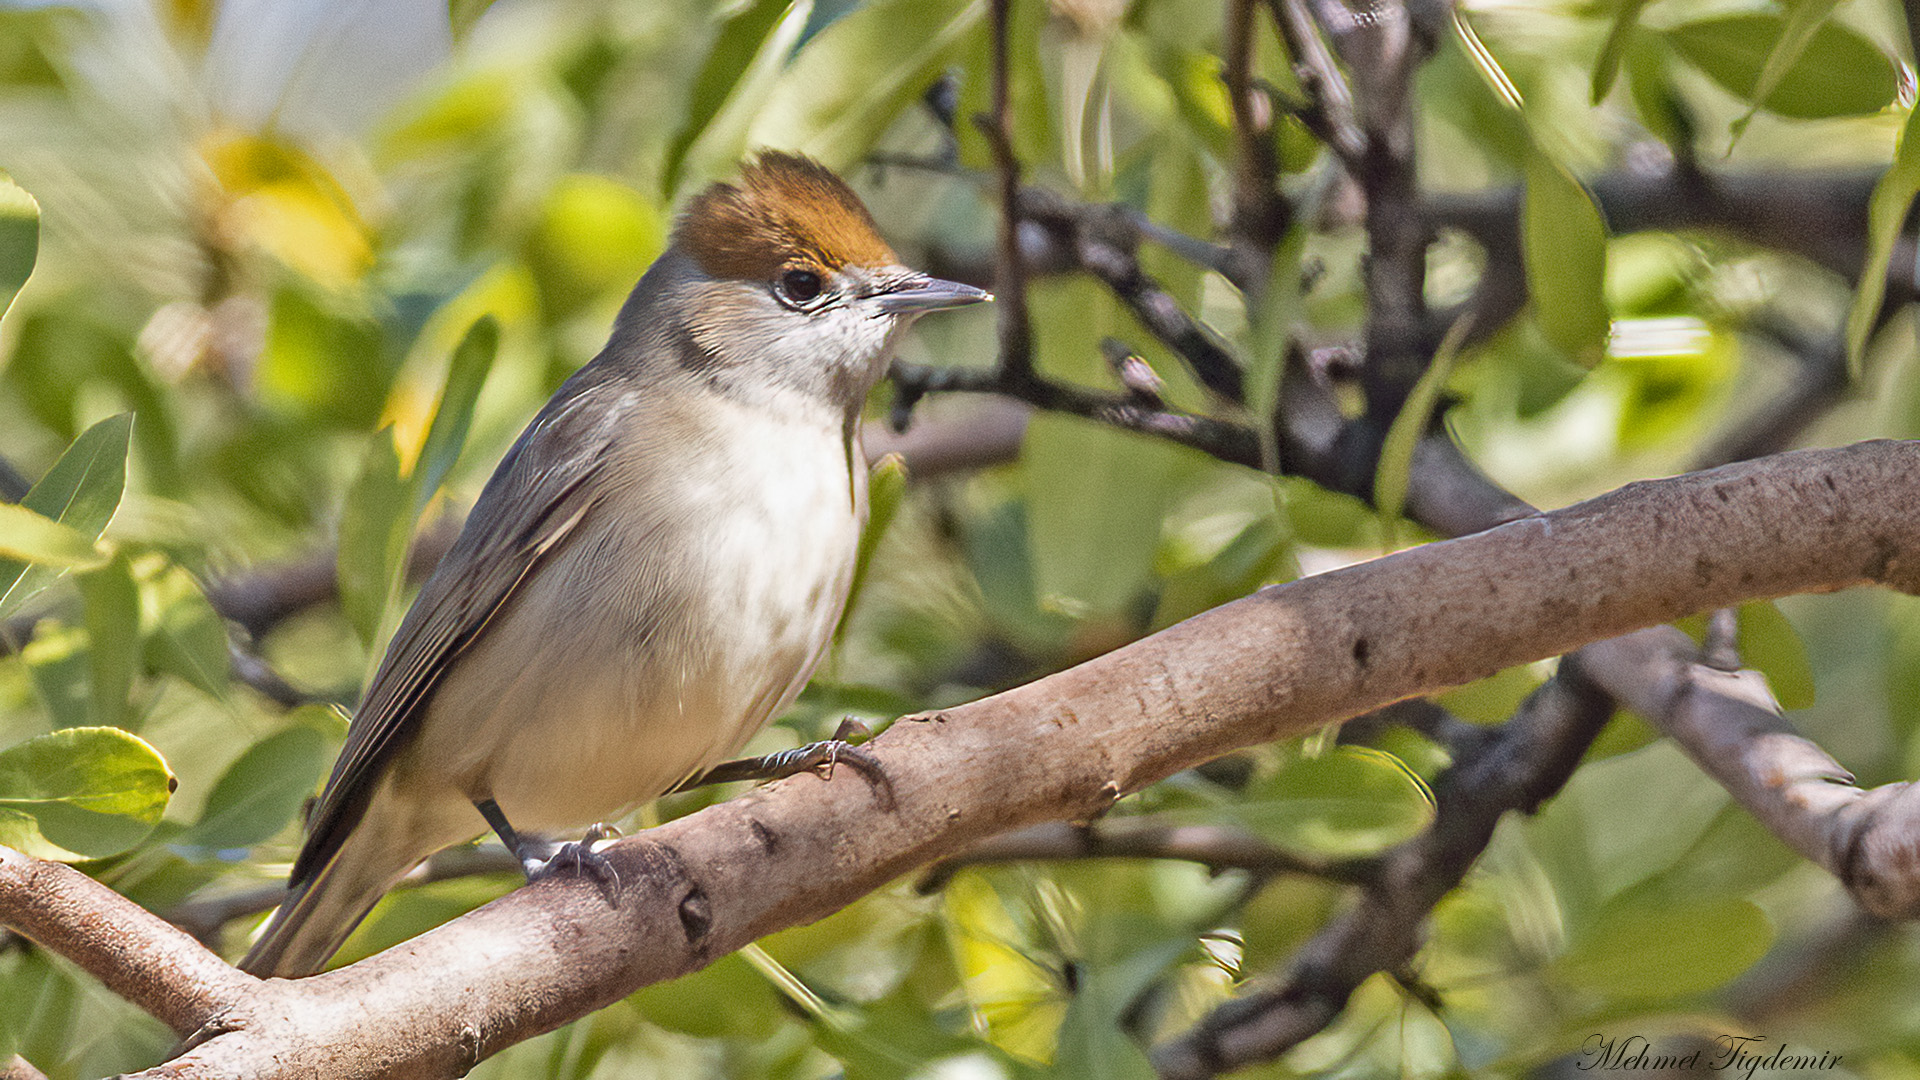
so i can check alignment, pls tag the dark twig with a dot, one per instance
(1261, 214)
(1223, 439)
(1215, 847)
(1330, 114)
(1015, 323)
(1527, 760)
(1103, 239)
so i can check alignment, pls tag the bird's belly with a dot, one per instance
(653, 650)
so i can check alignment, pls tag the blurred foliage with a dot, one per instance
(260, 328)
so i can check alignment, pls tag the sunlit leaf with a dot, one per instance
(112, 610)
(716, 147)
(1626, 21)
(374, 529)
(855, 77)
(1565, 244)
(1768, 643)
(733, 58)
(29, 537)
(188, 639)
(1836, 72)
(1886, 212)
(1350, 801)
(80, 492)
(466, 374)
(1640, 951)
(262, 790)
(19, 239)
(81, 793)
(1804, 18)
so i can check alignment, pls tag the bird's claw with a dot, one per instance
(579, 857)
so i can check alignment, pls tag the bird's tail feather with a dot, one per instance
(320, 911)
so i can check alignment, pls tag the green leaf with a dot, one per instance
(1607, 68)
(1350, 801)
(1804, 18)
(735, 55)
(29, 537)
(189, 640)
(1886, 212)
(1837, 72)
(62, 673)
(1769, 644)
(1092, 1039)
(81, 492)
(81, 793)
(374, 528)
(1640, 951)
(1565, 245)
(715, 148)
(262, 790)
(886, 492)
(1395, 471)
(1598, 847)
(19, 239)
(466, 374)
(112, 610)
(852, 79)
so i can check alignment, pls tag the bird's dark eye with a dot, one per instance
(799, 286)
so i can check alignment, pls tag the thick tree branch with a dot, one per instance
(1286, 660)
(135, 953)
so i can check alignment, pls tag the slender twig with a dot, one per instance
(1330, 114)
(1213, 846)
(1014, 322)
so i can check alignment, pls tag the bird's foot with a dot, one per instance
(579, 857)
(815, 757)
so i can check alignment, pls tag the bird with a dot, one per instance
(653, 571)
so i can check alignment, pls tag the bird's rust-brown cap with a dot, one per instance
(787, 212)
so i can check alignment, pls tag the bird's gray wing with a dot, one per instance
(535, 499)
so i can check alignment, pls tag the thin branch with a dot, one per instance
(1330, 114)
(1222, 439)
(1729, 724)
(1261, 214)
(1215, 847)
(1527, 760)
(1014, 322)
(1103, 240)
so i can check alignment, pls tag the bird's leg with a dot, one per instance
(816, 757)
(541, 858)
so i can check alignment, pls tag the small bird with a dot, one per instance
(651, 574)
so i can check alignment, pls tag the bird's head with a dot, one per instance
(781, 282)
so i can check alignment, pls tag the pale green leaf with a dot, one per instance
(30, 537)
(1804, 18)
(852, 79)
(739, 51)
(466, 374)
(1836, 72)
(1626, 22)
(80, 492)
(1641, 951)
(112, 611)
(81, 793)
(1769, 644)
(374, 528)
(1350, 801)
(262, 790)
(19, 239)
(1564, 242)
(1886, 212)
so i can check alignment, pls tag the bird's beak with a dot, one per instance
(920, 293)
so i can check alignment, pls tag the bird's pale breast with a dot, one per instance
(686, 611)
